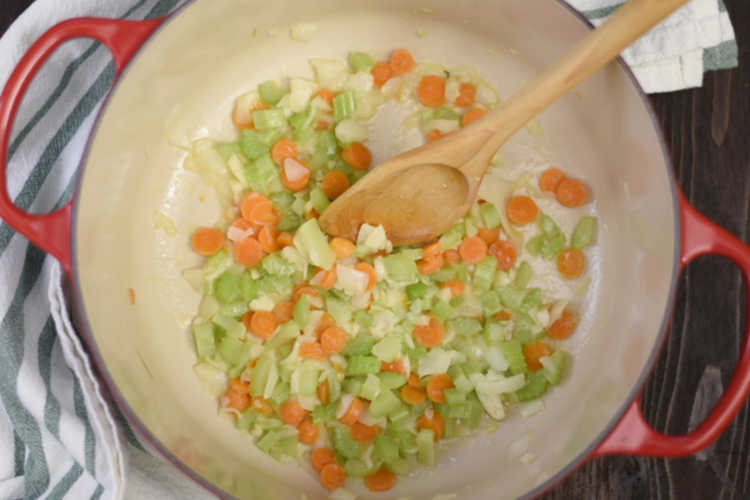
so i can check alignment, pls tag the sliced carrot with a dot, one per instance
(131, 296)
(505, 253)
(312, 350)
(242, 119)
(395, 366)
(429, 266)
(436, 423)
(357, 155)
(261, 406)
(324, 392)
(257, 209)
(570, 263)
(452, 257)
(381, 73)
(334, 184)
(332, 476)
(414, 381)
(436, 385)
(521, 210)
(431, 91)
(263, 324)
(467, 93)
(532, 352)
(322, 125)
(367, 268)
(431, 251)
(382, 480)
(291, 413)
(550, 179)
(285, 239)
(327, 95)
(237, 395)
(502, 316)
(283, 149)
(455, 286)
(295, 175)
(352, 413)
(365, 434)
(473, 115)
(267, 239)
(307, 431)
(434, 135)
(283, 311)
(431, 334)
(322, 457)
(312, 214)
(472, 249)
(563, 327)
(412, 395)
(571, 193)
(333, 340)
(207, 241)
(489, 235)
(326, 321)
(248, 252)
(401, 62)
(304, 290)
(342, 247)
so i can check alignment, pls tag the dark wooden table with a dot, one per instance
(708, 132)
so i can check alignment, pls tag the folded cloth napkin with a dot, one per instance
(59, 436)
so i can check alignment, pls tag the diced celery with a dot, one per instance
(362, 365)
(475, 412)
(370, 388)
(490, 302)
(280, 393)
(388, 348)
(262, 175)
(465, 326)
(215, 265)
(270, 439)
(523, 275)
(286, 447)
(352, 385)
(350, 130)
(459, 409)
(535, 387)
(363, 318)
(205, 342)
(452, 237)
(271, 92)
(490, 215)
(525, 329)
(308, 378)
(398, 466)
(356, 468)
(426, 447)
(400, 267)
(275, 265)
(289, 220)
(318, 199)
(301, 311)
(246, 419)
(442, 310)
(484, 273)
(385, 403)
(513, 354)
(344, 104)
(416, 290)
(324, 414)
(451, 428)
(584, 233)
(493, 331)
(303, 120)
(554, 366)
(313, 244)
(266, 119)
(444, 113)
(230, 349)
(288, 332)
(234, 309)
(228, 149)
(391, 380)
(552, 246)
(260, 374)
(359, 346)
(462, 383)
(343, 443)
(327, 145)
(462, 272)
(334, 386)
(454, 396)
(386, 448)
(532, 300)
(360, 61)
(252, 146)
(268, 423)
(511, 298)
(340, 310)
(407, 442)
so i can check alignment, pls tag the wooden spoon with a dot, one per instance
(420, 194)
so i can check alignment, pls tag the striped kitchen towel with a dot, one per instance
(58, 436)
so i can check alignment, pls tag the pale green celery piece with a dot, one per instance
(304, 120)
(259, 376)
(513, 354)
(524, 274)
(451, 239)
(363, 318)
(525, 329)
(215, 265)
(407, 442)
(340, 310)
(484, 273)
(352, 385)
(230, 350)
(318, 199)
(249, 287)
(268, 423)
(462, 272)
(370, 388)
(282, 200)
(493, 331)
(356, 468)
(334, 387)
(324, 414)
(205, 342)
(475, 412)
(298, 206)
(343, 443)
(286, 447)
(308, 378)
(401, 267)
(398, 466)
(391, 380)
(270, 136)
(386, 449)
(454, 396)
(288, 332)
(490, 302)
(511, 298)
(235, 309)
(465, 326)
(426, 116)
(362, 365)
(263, 175)
(271, 92)
(252, 146)
(447, 273)
(547, 225)
(301, 311)
(344, 104)
(416, 290)
(280, 393)
(444, 113)
(313, 244)
(585, 232)
(442, 310)
(270, 439)
(385, 403)
(532, 300)
(490, 215)
(535, 387)
(227, 149)
(462, 383)
(246, 419)
(266, 119)
(388, 348)
(360, 61)
(554, 366)
(275, 265)
(426, 447)
(327, 144)
(461, 409)
(359, 346)
(230, 325)
(553, 245)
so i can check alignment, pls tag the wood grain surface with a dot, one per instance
(708, 132)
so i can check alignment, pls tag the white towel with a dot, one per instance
(58, 436)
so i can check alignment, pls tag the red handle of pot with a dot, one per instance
(633, 435)
(51, 232)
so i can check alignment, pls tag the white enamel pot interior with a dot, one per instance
(182, 85)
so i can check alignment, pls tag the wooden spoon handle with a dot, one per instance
(598, 48)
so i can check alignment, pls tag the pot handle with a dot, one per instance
(633, 435)
(51, 232)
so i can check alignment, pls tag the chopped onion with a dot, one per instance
(294, 170)
(236, 234)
